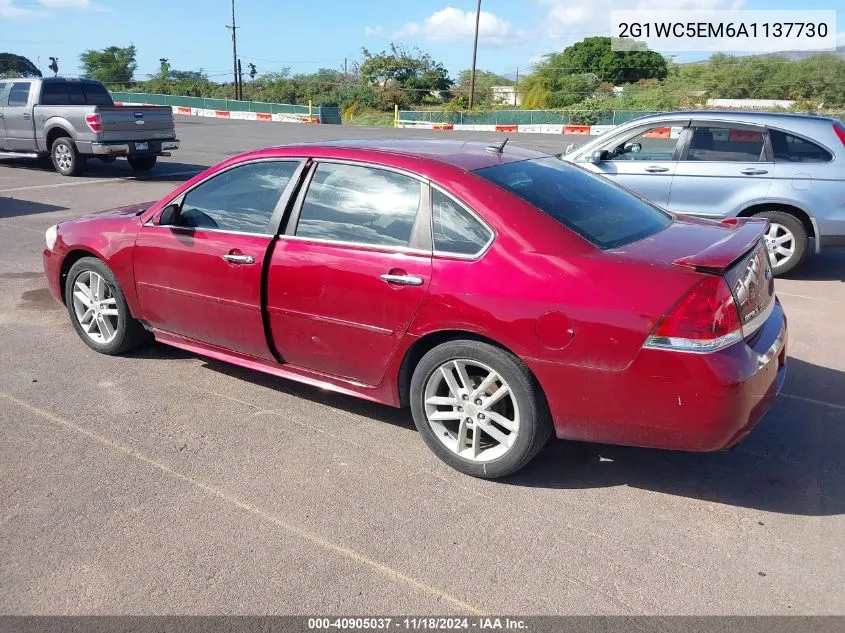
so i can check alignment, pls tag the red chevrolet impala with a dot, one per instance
(501, 293)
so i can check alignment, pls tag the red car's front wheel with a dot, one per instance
(98, 310)
(479, 408)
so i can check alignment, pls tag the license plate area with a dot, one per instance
(142, 147)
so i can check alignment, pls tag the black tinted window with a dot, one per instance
(96, 94)
(19, 94)
(591, 206)
(725, 144)
(792, 149)
(455, 228)
(242, 199)
(348, 203)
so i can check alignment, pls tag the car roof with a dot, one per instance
(469, 155)
(762, 118)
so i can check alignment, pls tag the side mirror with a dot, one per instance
(169, 216)
(599, 155)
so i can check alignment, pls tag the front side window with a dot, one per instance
(241, 200)
(456, 230)
(601, 212)
(19, 94)
(654, 145)
(364, 205)
(725, 144)
(793, 149)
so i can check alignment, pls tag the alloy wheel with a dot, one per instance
(471, 410)
(95, 307)
(780, 243)
(64, 159)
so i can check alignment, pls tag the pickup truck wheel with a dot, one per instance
(98, 309)
(142, 163)
(66, 159)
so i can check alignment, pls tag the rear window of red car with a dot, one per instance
(601, 212)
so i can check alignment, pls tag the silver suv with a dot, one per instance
(789, 168)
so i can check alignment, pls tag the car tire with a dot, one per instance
(142, 163)
(457, 427)
(108, 328)
(791, 253)
(66, 159)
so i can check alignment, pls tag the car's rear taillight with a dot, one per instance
(704, 321)
(840, 131)
(94, 122)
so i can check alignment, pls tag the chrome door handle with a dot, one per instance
(402, 280)
(656, 170)
(239, 259)
(26, 115)
(754, 172)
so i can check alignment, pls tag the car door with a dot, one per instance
(724, 167)
(346, 279)
(198, 266)
(643, 160)
(17, 116)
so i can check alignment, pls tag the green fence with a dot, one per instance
(523, 117)
(325, 114)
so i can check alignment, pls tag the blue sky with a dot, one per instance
(308, 35)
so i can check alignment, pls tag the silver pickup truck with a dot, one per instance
(71, 120)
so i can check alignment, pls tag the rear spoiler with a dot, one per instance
(745, 234)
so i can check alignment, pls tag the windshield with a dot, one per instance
(601, 212)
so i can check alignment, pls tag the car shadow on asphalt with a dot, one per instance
(164, 171)
(826, 266)
(15, 207)
(791, 463)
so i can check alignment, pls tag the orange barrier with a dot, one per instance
(576, 129)
(507, 128)
(658, 132)
(744, 136)
(221, 114)
(443, 126)
(263, 116)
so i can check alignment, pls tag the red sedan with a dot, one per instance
(501, 293)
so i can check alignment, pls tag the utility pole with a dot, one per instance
(474, 50)
(240, 81)
(234, 28)
(516, 88)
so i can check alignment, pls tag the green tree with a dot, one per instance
(12, 65)
(594, 55)
(406, 70)
(112, 65)
(484, 82)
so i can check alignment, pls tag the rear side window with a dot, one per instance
(350, 203)
(74, 93)
(793, 149)
(456, 230)
(601, 212)
(19, 94)
(725, 144)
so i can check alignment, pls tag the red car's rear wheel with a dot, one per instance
(479, 408)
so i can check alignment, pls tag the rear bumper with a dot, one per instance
(671, 400)
(126, 148)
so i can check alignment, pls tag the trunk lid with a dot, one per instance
(137, 123)
(733, 249)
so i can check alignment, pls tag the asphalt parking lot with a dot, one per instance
(164, 483)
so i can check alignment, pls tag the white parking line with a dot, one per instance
(100, 181)
(789, 294)
(824, 403)
(345, 551)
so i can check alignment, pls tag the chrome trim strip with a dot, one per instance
(757, 322)
(375, 247)
(693, 346)
(192, 229)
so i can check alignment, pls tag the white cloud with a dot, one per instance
(456, 25)
(80, 5)
(573, 20)
(11, 12)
